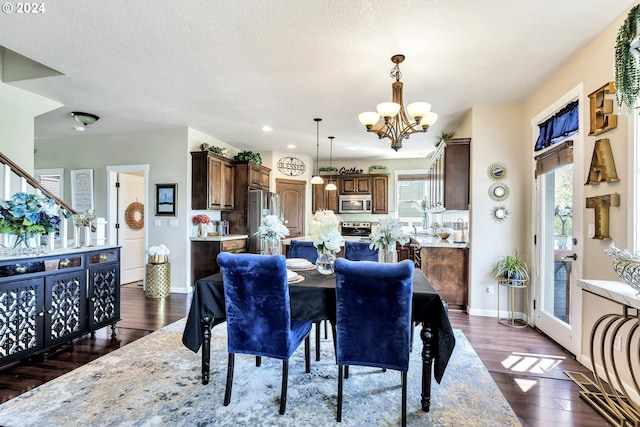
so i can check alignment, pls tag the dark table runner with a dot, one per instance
(314, 299)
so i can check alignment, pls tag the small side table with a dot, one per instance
(158, 280)
(512, 286)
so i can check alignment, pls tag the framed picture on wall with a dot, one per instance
(166, 199)
(82, 189)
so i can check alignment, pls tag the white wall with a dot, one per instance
(167, 154)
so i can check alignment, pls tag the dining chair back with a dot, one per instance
(303, 249)
(359, 251)
(373, 318)
(258, 313)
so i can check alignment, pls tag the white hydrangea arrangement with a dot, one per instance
(324, 231)
(160, 250)
(272, 228)
(387, 232)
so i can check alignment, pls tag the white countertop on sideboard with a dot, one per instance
(220, 238)
(619, 292)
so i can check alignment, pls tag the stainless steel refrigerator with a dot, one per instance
(261, 203)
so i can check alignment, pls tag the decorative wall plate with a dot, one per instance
(497, 171)
(500, 213)
(498, 191)
(291, 166)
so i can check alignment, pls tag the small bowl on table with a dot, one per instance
(444, 235)
(212, 233)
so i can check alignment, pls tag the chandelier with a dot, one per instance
(391, 121)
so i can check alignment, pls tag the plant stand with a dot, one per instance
(512, 286)
(158, 280)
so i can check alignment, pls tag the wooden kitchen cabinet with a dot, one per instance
(354, 184)
(212, 181)
(380, 194)
(448, 175)
(204, 255)
(323, 199)
(447, 270)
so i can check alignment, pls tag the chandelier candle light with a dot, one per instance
(384, 237)
(326, 238)
(271, 231)
(396, 125)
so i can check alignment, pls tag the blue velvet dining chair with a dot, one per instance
(305, 249)
(258, 314)
(373, 318)
(359, 251)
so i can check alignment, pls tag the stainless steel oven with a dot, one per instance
(362, 229)
(355, 204)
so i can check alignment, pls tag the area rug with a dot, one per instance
(155, 381)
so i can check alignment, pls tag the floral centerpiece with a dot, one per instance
(27, 214)
(158, 254)
(384, 237)
(326, 238)
(201, 221)
(271, 230)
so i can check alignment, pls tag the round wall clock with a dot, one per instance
(291, 166)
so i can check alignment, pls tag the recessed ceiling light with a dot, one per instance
(291, 146)
(266, 128)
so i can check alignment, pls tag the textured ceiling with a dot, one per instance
(227, 68)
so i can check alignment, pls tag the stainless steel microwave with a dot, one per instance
(359, 203)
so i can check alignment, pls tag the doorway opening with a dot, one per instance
(128, 188)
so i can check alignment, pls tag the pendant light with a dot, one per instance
(331, 186)
(317, 179)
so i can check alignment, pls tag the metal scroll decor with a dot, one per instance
(614, 348)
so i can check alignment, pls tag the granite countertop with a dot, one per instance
(436, 242)
(220, 238)
(619, 292)
(288, 240)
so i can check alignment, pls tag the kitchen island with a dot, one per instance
(205, 250)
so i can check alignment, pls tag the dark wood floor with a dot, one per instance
(526, 366)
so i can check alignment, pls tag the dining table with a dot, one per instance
(314, 298)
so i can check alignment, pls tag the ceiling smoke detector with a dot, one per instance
(85, 119)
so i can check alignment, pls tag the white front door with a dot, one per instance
(132, 256)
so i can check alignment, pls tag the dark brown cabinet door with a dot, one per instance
(379, 195)
(446, 269)
(212, 181)
(456, 174)
(323, 199)
(354, 185)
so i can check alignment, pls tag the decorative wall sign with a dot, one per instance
(603, 167)
(602, 117)
(352, 171)
(291, 166)
(497, 171)
(601, 204)
(82, 189)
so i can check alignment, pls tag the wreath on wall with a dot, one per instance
(130, 215)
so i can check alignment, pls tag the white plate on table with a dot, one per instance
(297, 262)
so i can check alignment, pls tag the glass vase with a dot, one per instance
(272, 247)
(51, 240)
(324, 263)
(388, 254)
(201, 230)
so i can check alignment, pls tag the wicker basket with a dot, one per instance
(629, 272)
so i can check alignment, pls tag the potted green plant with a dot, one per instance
(248, 155)
(378, 169)
(444, 135)
(328, 169)
(511, 267)
(627, 75)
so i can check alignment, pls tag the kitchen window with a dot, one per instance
(411, 186)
